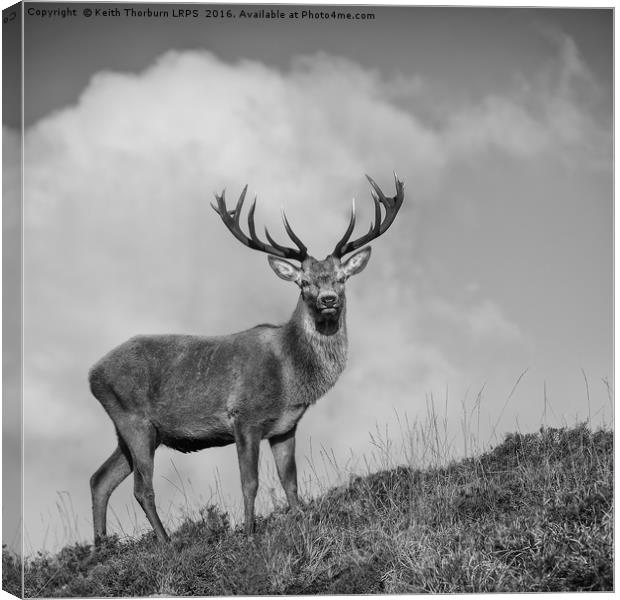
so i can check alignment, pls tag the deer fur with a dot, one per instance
(193, 392)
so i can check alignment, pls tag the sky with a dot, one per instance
(487, 305)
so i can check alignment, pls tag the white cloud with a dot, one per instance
(553, 113)
(483, 320)
(488, 320)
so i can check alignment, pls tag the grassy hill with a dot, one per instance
(533, 514)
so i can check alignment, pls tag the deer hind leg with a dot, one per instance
(248, 443)
(141, 439)
(104, 481)
(283, 449)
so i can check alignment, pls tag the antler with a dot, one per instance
(231, 220)
(391, 206)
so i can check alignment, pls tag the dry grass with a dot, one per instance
(534, 514)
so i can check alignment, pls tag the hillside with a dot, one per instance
(533, 514)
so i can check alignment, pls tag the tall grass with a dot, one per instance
(432, 507)
(532, 514)
(446, 429)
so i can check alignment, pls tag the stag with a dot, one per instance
(192, 392)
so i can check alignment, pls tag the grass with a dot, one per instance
(533, 514)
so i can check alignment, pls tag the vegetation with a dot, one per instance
(533, 514)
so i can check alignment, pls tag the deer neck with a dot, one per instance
(318, 353)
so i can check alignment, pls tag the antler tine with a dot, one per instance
(221, 205)
(251, 224)
(291, 234)
(232, 217)
(378, 227)
(275, 244)
(377, 222)
(237, 212)
(347, 233)
(377, 189)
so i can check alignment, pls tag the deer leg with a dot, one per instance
(143, 491)
(283, 449)
(104, 481)
(141, 440)
(248, 443)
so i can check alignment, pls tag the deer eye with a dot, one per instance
(305, 283)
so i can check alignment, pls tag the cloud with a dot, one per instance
(120, 238)
(484, 321)
(554, 113)
(488, 320)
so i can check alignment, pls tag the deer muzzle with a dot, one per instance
(328, 303)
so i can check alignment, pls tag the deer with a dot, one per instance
(190, 392)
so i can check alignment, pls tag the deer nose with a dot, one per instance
(327, 299)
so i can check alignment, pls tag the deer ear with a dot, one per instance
(284, 269)
(356, 262)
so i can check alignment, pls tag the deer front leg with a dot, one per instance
(248, 443)
(140, 437)
(283, 449)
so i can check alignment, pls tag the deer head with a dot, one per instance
(321, 281)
